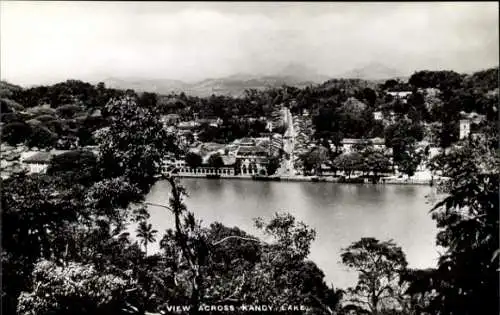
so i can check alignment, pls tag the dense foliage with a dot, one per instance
(75, 212)
(467, 274)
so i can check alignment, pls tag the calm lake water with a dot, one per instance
(340, 214)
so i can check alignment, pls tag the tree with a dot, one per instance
(315, 158)
(193, 160)
(45, 118)
(146, 233)
(237, 167)
(370, 96)
(11, 117)
(74, 288)
(215, 160)
(417, 110)
(376, 162)
(389, 84)
(273, 165)
(137, 155)
(449, 133)
(85, 137)
(379, 265)
(69, 110)
(9, 106)
(54, 125)
(16, 132)
(420, 296)
(76, 166)
(41, 137)
(401, 135)
(283, 275)
(35, 214)
(353, 119)
(409, 160)
(148, 100)
(436, 79)
(41, 110)
(348, 162)
(468, 220)
(186, 242)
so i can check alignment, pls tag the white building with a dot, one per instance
(204, 170)
(378, 115)
(170, 119)
(38, 163)
(400, 94)
(378, 143)
(464, 128)
(227, 169)
(349, 144)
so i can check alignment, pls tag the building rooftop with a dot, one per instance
(247, 141)
(353, 141)
(377, 140)
(187, 124)
(251, 150)
(211, 146)
(400, 93)
(39, 158)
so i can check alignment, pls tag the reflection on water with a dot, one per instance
(340, 214)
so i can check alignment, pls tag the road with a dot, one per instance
(286, 168)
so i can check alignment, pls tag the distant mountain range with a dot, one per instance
(373, 71)
(293, 75)
(232, 85)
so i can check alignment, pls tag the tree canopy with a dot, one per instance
(379, 265)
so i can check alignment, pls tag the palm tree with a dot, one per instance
(146, 233)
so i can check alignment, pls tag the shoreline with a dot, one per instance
(313, 179)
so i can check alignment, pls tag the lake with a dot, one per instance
(340, 214)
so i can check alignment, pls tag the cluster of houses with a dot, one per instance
(20, 158)
(303, 133)
(246, 156)
(10, 160)
(468, 122)
(386, 119)
(250, 156)
(186, 133)
(348, 145)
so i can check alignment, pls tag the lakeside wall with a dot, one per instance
(301, 178)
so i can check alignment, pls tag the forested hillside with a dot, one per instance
(71, 111)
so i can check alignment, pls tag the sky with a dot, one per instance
(46, 42)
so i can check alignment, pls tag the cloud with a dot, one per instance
(52, 41)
